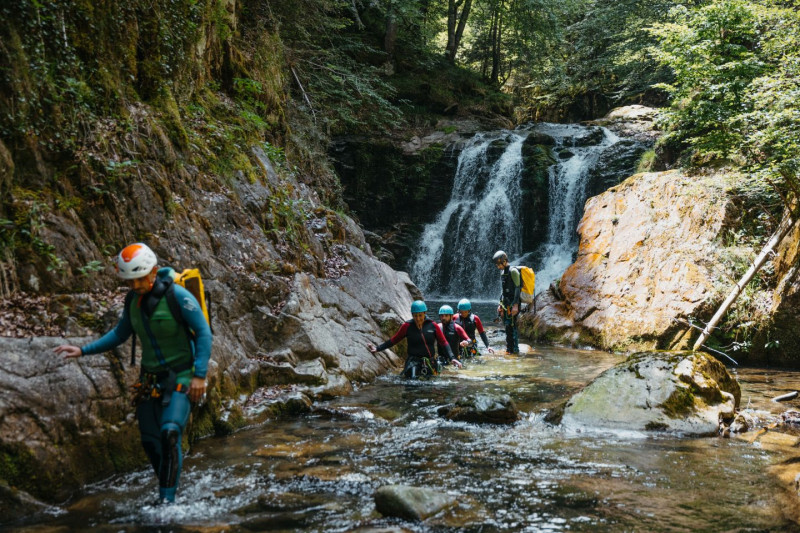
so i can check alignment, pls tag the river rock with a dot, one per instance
(686, 392)
(411, 503)
(63, 422)
(488, 408)
(633, 121)
(649, 253)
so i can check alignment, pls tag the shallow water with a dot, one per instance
(319, 472)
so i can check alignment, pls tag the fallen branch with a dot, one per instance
(305, 96)
(786, 226)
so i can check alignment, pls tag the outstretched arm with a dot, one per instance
(107, 342)
(397, 337)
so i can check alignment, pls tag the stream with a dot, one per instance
(318, 472)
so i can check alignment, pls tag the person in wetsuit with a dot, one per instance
(422, 335)
(511, 283)
(472, 324)
(455, 334)
(174, 360)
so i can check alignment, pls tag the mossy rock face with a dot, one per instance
(686, 392)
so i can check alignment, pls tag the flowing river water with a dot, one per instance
(318, 472)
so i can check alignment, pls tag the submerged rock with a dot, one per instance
(687, 392)
(411, 503)
(482, 408)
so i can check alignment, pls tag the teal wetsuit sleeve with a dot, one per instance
(193, 315)
(113, 338)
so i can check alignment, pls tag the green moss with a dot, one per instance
(646, 161)
(680, 403)
(171, 117)
(90, 320)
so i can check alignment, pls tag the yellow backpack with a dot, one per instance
(528, 284)
(190, 280)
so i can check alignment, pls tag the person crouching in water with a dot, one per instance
(456, 337)
(471, 324)
(174, 366)
(422, 335)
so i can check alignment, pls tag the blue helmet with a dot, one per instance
(445, 310)
(418, 306)
(464, 305)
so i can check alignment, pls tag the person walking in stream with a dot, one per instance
(511, 283)
(456, 337)
(472, 324)
(175, 355)
(422, 335)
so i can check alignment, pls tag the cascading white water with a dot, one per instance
(453, 259)
(567, 193)
(454, 253)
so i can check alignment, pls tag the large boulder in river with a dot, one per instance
(649, 253)
(686, 392)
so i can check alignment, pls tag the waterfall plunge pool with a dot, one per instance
(318, 472)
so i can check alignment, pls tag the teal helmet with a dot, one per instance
(464, 305)
(418, 306)
(445, 310)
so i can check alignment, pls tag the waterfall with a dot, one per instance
(453, 257)
(568, 180)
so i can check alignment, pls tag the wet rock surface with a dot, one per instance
(648, 254)
(411, 503)
(686, 392)
(482, 408)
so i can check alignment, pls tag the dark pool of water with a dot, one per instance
(319, 472)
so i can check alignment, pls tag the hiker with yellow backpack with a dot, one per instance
(173, 326)
(513, 290)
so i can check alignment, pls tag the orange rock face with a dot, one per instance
(647, 255)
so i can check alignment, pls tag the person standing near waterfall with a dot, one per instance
(456, 337)
(511, 283)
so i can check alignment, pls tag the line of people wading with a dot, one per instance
(451, 338)
(176, 348)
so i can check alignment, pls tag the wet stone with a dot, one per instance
(412, 503)
(482, 408)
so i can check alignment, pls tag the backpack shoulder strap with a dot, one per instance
(128, 301)
(174, 306)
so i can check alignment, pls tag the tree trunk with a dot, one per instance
(783, 229)
(497, 32)
(390, 39)
(462, 22)
(455, 26)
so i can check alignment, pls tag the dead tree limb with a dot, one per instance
(785, 227)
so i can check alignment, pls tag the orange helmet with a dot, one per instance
(135, 261)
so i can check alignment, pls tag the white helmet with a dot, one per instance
(135, 261)
(499, 255)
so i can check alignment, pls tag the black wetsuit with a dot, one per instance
(421, 345)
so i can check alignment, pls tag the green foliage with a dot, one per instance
(735, 93)
(595, 59)
(337, 77)
(713, 52)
